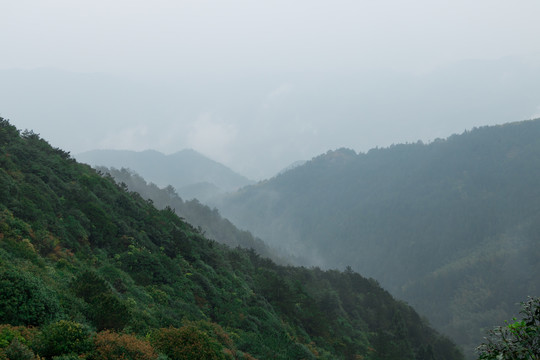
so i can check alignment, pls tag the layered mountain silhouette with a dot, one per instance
(453, 226)
(192, 174)
(91, 269)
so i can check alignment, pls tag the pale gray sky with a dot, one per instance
(260, 84)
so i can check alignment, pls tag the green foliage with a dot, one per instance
(517, 340)
(187, 343)
(14, 342)
(209, 220)
(75, 245)
(90, 286)
(25, 299)
(19, 351)
(106, 310)
(145, 267)
(23, 334)
(451, 226)
(62, 338)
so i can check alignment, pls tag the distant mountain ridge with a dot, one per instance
(475, 92)
(192, 174)
(451, 226)
(292, 166)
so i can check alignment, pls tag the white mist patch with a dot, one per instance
(174, 137)
(134, 137)
(212, 136)
(536, 114)
(277, 94)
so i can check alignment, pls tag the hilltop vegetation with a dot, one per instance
(101, 273)
(452, 226)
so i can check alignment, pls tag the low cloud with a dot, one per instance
(536, 114)
(212, 136)
(277, 94)
(133, 138)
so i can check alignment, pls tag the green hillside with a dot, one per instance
(451, 226)
(90, 269)
(210, 222)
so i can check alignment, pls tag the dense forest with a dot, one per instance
(89, 269)
(452, 226)
(207, 220)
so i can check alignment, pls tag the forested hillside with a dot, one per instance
(452, 226)
(92, 270)
(210, 222)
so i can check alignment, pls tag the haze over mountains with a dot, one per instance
(257, 123)
(450, 226)
(190, 173)
(363, 88)
(90, 269)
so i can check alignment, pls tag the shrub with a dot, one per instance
(106, 310)
(25, 300)
(89, 286)
(61, 338)
(110, 313)
(8, 332)
(215, 331)
(19, 351)
(113, 346)
(186, 343)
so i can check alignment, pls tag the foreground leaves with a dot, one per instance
(517, 340)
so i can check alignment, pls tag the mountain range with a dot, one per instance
(447, 226)
(262, 121)
(450, 226)
(89, 269)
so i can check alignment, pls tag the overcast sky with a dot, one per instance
(260, 84)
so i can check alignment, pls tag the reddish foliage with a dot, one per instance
(114, 346)
(187, 343)
(23, 333)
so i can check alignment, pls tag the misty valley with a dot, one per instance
(282, 180)
(412, 251)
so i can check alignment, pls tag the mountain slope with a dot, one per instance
(192, 174)
(79, 251)
(451, 226)
(201, 216)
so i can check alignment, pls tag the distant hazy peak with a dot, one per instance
(337, 156)
(181, 169)
(292, 166)
(187, 151)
